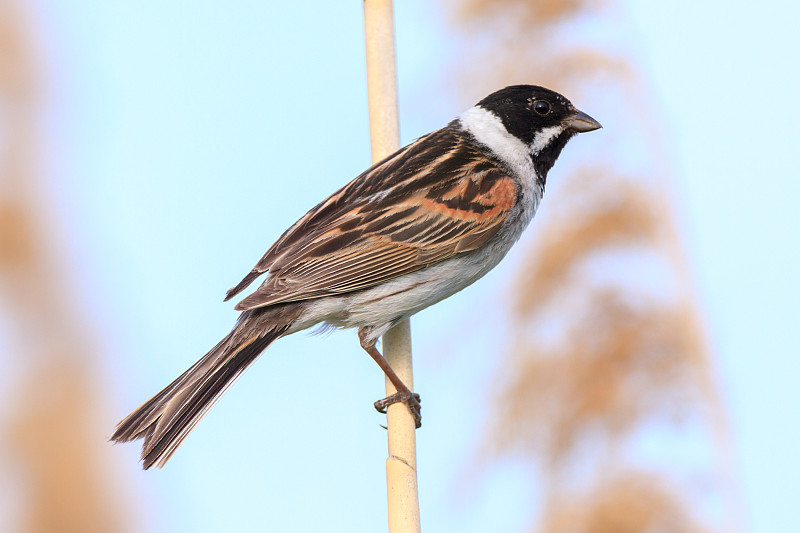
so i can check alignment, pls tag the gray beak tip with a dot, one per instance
(581, 122)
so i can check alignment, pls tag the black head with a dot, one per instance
(542, 119)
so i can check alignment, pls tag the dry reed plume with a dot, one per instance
(53, 448)
(607, 343)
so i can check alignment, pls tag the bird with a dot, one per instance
(414, 228)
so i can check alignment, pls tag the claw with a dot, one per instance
(412, 401)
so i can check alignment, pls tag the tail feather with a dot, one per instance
(166, 419)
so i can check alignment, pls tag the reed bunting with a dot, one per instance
(413, 229)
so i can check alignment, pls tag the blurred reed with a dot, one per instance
(54, 451)
(607, 393)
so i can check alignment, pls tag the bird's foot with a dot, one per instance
(410, 399)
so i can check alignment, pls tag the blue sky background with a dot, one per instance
(184, 137)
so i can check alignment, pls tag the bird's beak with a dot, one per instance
(581, 122)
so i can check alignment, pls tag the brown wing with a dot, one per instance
(437, 197)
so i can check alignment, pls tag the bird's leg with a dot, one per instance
(403, 394)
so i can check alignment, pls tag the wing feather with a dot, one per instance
(435, 198)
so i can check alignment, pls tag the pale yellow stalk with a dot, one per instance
(401, 465)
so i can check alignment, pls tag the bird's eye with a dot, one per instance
(541, 106)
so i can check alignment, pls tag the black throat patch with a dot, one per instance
(546, 158)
